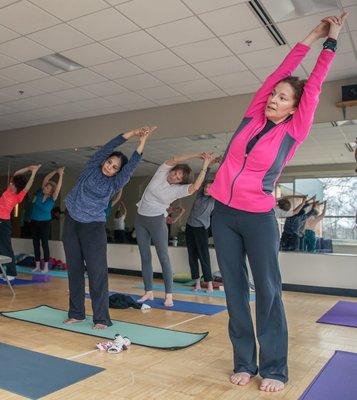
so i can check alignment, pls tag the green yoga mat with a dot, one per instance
(28, 270)
(143, 335)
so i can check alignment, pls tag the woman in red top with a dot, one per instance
(16, 191)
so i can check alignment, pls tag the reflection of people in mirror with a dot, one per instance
(84, 234)
(171, 181)
(41, 216)
(119, 224)
(310, 228)
(276, 123)
(14, 194)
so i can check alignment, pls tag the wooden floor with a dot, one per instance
(198, 372)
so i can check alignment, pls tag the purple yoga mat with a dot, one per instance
(336, 380)
(342, 313)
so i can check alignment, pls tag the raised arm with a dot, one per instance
(178, 159)
(297, 209)
(321, 216)
(207, 158)
(60, 172)
(304, 114)
(48, 177)
(33, 169)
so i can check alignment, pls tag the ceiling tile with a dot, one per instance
(263, 73)
(46, 100)
(341, 74)
(220, 66)
(116, 2)
(292, 29)
(50, 84)
(6, 61)
(75, 94)
(212, 94)
(13, 92)
(252, 40)
(133, 44)
(106, 88)
(117, 69)
(144, 14)
(22, 73)
(346, 3)
(60, 37)
(200, 6)
(354, 37)
(155, 93)
(93, 104)
(172, 100)
(231, 19)
(104, 24)
(24, 49)
(125, 98)
(184, 31)
(23, 17)
(202, 51)
(4, 82)
(7, 34)
(81, 77)
(141, 105)
(197, 86)
(244, 89)
(91, 54)
(158, 60)
(69, 9)
(141, 81)
(236, 79)
(265, 58)
(348, 60)
(178, 74)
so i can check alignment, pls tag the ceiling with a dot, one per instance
(325, 145)
(145, 53)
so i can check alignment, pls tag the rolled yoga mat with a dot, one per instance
(143, 335)
(336, 380)
(179, 305)
(342, 313)
(183, 289)
(34, 375)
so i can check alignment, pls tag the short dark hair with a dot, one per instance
(122, 156)
(298, 86)
(19, 181)
(284, 204)
(186, 172)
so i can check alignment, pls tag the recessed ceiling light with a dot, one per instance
(54, 64)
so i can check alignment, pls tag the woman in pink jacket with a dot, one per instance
(275, 124)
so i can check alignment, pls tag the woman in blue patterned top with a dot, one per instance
(84, 236)
(41, 217)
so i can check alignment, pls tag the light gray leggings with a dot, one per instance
(155, 229)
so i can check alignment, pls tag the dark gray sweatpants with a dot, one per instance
(85, 245)
(237, 234)
(155, 229)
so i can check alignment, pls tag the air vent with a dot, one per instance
(351, 146)
(262, 14)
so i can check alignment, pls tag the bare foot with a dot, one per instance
(72, 321)
(210, 287)
(168, 300)
(240, 378)
(99, 326)
(149, 295)
(271, 385)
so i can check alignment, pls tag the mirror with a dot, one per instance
(323, 166)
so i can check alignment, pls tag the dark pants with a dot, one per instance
(85, 246)
(119, 236)
(40, 234)
(6, 247)
(310, 241)
(236, 234)
(289, 242)
(197, 247)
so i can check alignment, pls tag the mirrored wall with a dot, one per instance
(322, 170)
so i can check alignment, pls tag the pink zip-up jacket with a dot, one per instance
(246, 182)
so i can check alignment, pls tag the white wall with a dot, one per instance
(325, 270)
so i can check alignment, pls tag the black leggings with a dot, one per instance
(41, 233)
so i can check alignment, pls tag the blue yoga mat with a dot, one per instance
(35, 375)
(182, 289)
(182, 306)
(28, 270)
(19, 282)
(336, 380)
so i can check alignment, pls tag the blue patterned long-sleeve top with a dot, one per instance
(89, 198)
